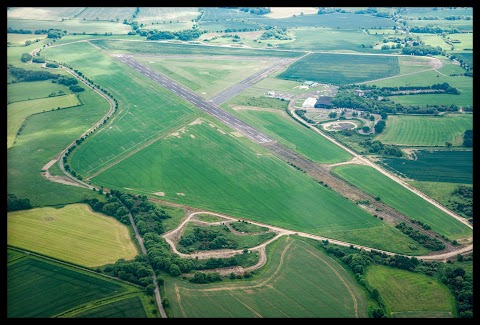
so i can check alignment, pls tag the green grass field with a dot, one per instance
(341, 68)
(466, 25)
(406, 202)
(39, 288)
(247, 227)
(439, 191)
(43, 13)
(187, 168)
(44, 137)
(410, 130)
(298, 281)
(409, 294)
(203, 75)
(21, 91)
(436, 12)
(329, 39)
(305, 141)
(18, 112)
(454, 166)
(74, 234)
(147, 110)
(20, 39)
(433, 40)
(131, 307)
(171, 48)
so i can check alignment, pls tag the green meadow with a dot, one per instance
(297, 281)
(21, 91)
(371, 181)
(146, 110)
(411, 130)
(39, 288)
(303, 140)
(18, 112)
(341, 68)
(73, 233)
(72, 26)
(186, 167)
(44, 136)
(409, 294)
(205, 76)
(20, 39)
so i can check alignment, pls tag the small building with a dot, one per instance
(271, 93)
(359, 92)
(323, 102)
(309, 102)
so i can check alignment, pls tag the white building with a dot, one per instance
(309, 102)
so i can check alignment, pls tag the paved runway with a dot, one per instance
(207, 106)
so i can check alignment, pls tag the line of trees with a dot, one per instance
(426, 241)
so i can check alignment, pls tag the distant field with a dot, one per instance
(218, 14)
(334, 20)
(131, 307)
(107, 13)
(20, 39)
(437, 166)
(409, 294)
(214, 26)
(330, 39)
(466, 25)
(305, 141)
(466, 57)
(298, 281)
(171, 48)
(21, 91)
(43, 13)
(413, 130)
(341, 68)
(74, 233)
(45, 136)
(205, 76)
(441, 12)
(466, 41)
(186, 167)
(406, 202)
(72, 26)
(433, 40)
(148, 15)
(17, 112)
(283, 12)
(38, 288)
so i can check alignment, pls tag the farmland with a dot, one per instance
(22, 91)
(297, 274)
(436, 166)
(409, 294)
(39, 288)
(369, 180)
(409, 130)
(59, 232)
(19, 111)
(323, 68)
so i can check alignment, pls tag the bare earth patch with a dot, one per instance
(159, 193)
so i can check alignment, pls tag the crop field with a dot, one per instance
(20, 39)
(341, 68)
(60, 232)
(437, 166)
(433, 40)
(42, 138)
(160, 14)
(43, 13)
(305, 141)
(147, 112)
(466, 25)
(412, 130)
(131, 307)
(334, 20)
(329, 39)
(204, 76)
(186, 168)
(19, 111)
(21, 91)
(298, 281)
(219, 14)
(407, 293)
(466, 57)
(466, 41)
(72, 26)
(414, 64)
(406, 202)
(38, 288)
(437, 12)
(282, 12)
(169, 48)
(107, 13)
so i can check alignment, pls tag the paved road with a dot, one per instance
(207, 106)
